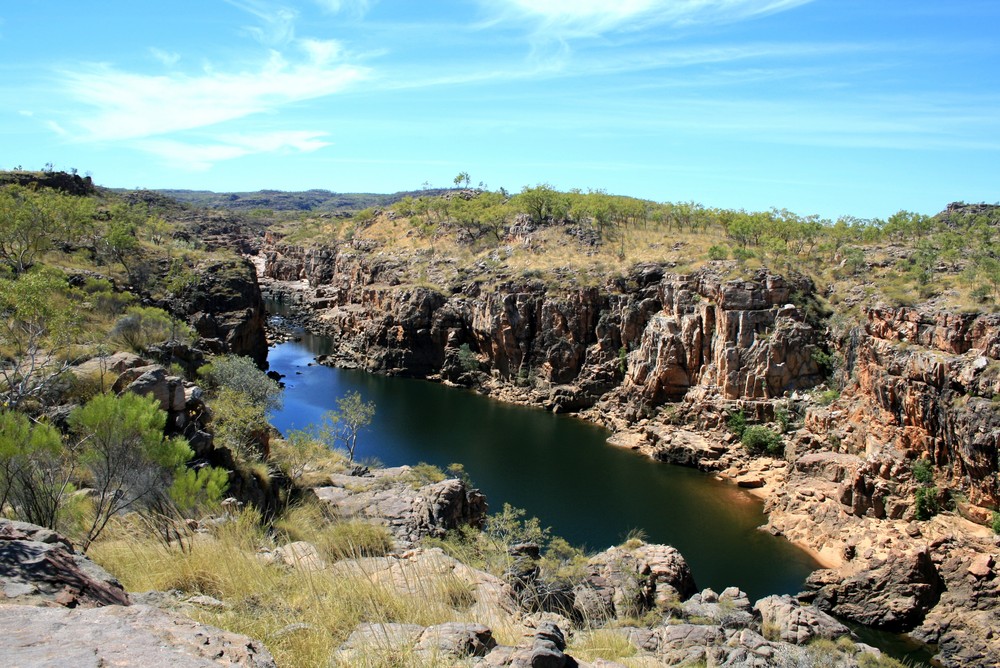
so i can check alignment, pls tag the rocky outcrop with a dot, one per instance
(135, 636)
(895, 595)
(39, 566)
(395, 499)
(923, 384)
(623, 582)
(226, 309)
(654, 335)
(795, 623)
(71, 184)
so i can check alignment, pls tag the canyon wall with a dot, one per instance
(651, 336)
(926, 383)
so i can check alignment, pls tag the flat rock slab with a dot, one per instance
(39, 566)
(124, 637)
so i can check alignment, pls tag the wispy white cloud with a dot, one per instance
(195, 156)
(56, 128)
(321, 51)
(276, 22)
(354, 7)
(126, 105)
(168, 58)
(567, 18)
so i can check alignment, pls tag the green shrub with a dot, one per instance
(242, 375)
(996, 523)
(758, 439)
(737, 423)
(467, 359)
(783, 417)
(143, 326)
(926, 505)
(923, 471)
(827, 397)
(825, 361)
(718, 253)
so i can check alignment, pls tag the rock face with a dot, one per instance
(136, 636)
(740, 338)
(38, 565)
(924, 384)
(388, 497)
(657, 335)
(225, 307)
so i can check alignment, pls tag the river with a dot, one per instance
(558, 468)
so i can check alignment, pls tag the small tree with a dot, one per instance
(37, 323)
(35, 470)
(122, 448)
(31, 222)
(344, 425)
(121, 241)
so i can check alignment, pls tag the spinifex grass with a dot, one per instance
(302, 616)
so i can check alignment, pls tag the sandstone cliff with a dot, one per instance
(924, 383)
(225, 308)
(653, 334)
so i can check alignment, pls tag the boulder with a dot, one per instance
(624, 582)
(300, 554)
(38, 565)
(456, 640)
(153, 381)
(130, 637)
(797, 624)
(894, 595)
(386, 497)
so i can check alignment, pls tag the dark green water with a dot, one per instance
(558, 468)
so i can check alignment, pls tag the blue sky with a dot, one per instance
(858, 107)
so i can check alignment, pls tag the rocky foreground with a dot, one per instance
(60, 608)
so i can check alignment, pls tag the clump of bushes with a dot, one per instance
(143, 326)
(759, 439)
(926, 504)
(737, 423)
(923, 471)
(996, 523)
(718, 253)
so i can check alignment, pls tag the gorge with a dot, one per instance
(558, 468)
(665, 359)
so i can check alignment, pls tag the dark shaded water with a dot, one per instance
(558, 468)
